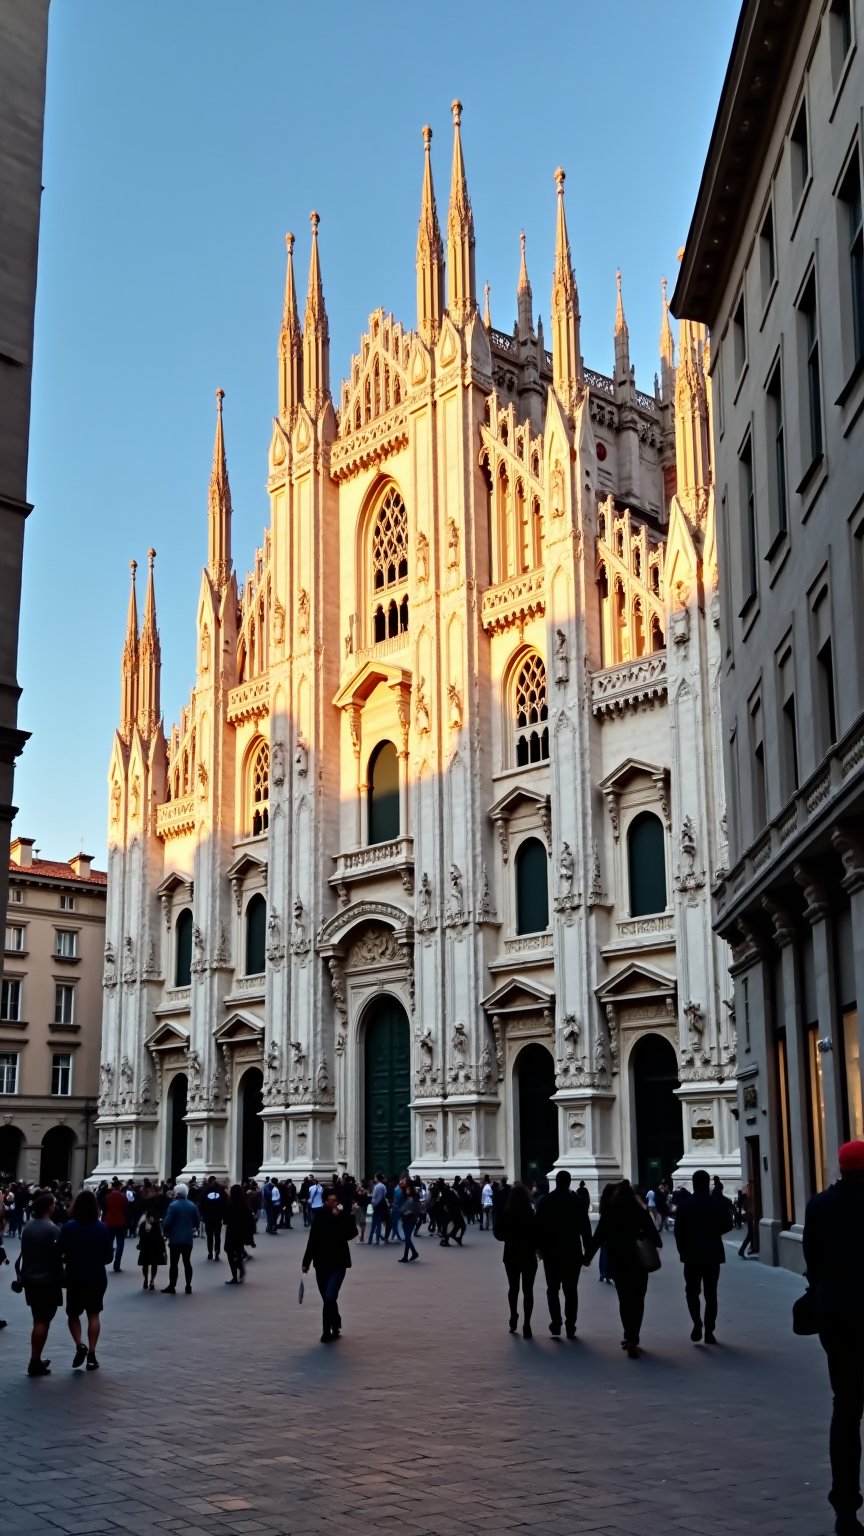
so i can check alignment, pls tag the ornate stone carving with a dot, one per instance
(688, 877)
(337, 988)
(596, 895)
(452, 544)
(421, 557)
(562, 659)
(454, 711)
(503, 837)
(129, 961)
(237, 888)
(421, 710)
(695, 1016)
(425, 921)
(498, 1032)
(376, 946)
(612, 1021)
(544, 812)
(303, 612)
(106, 1082)
(273, 1071)
(277, 621)
(199, 960)
(151, 968)
(485, 911)
(456, 910)
(277, 763)
(299, 937)
(109, 974)
(275, 947)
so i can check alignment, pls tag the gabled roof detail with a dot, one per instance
(518, 996)
(239, 1029)
(637, 983)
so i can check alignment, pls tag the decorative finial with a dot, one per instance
(663, 286)
(427, 136)
(487, 317)
(133, 566)
(522, 242)
(618, 280)
(559, 178)
(456, 108)
(314, 220)
(220, 396)
(151, 556)
(289, 244)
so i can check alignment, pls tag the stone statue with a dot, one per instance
(421, 711)
(299, 944)
(421, 558)
(460, 1043)
(426, 1050)
(301, 757)
(484, 912)
(456, 901)
(565, 873)
(455, 710)
(601, 1060)
(424, 903)
(452, 543)
(303, 612)
(486, 1066)
(322, 1077)
(562, 660)
(277, 763)
(571, 1036)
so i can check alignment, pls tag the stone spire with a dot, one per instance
(692, 443)
(129, 666)
(566, 354)
(316, 335)
(622, 339)
(487, 315)
(290, 345)
(219, 509)
(461, 282)
(149, 662)
(430, 256)
(524, 298)
(667, 352)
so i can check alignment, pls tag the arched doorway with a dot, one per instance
(538, 1116)
(388, 1087)
(56, 1159)
(11, 1142)
(659, 1124)
(251, 1124)
(177, 1132)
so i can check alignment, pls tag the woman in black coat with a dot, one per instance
(151, 1247)
(515, 1228)
(328, 1253)
(239, 1230)
(627, 1232)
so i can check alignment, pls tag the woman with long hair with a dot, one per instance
(627, 1232)
(86, 1247)
(239, 1230)
(515, 1227)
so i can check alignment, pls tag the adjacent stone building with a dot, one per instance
(421, 875)
(774, 265)
(50, 1016)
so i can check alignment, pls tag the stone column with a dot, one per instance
(818, 914)
(796, 1059)
(851, 850)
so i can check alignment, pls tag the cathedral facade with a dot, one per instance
(422, 875)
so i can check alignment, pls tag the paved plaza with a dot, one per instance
(222, 1413)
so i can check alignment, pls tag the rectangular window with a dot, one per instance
(67, 903)
(790, 747)
(15, 937)
(67, 944)
(809, 330)
(64, 1004)
(840, 36)
(8, 1072)
(759, 799)
(852, 1063)
(61, 1075)
(767, 255)
(800, 155)
(10, 1001)
(850, 196)
(825, 664)
(739, 338)
(748, 523)
(16, 896)
(777, 453)
(817, 1111)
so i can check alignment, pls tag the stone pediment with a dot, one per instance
(334, 933)
(246, 864)
(635, 984)
(365, 680)
(519, 997)
(239, 1029)
(631, 768)
(515, 797)
(175, 882)
(168, 1037)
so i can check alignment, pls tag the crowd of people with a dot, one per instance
(69, 1240)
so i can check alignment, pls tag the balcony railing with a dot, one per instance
(515, 601)
(632, 685)
(395, 857)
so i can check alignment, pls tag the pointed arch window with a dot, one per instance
(531, 712)
(389, 560)
(259, 790)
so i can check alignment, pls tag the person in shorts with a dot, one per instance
(41, 1274)
(86, 1247)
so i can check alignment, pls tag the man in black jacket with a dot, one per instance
(834, 1256)
(699, 1227)
(564, 1242)
(327, 1251)
(211, 1204)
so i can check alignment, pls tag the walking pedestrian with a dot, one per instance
(181, 1220)
(833, 1246)
(379, 1209)
(486, 1194)
(151, 1248)
(699, 1233)
(516, 1227)
(328, 1252)
(212, 1208)
(86, 1247)
(452, 1215)
(409, 1213)
(361, 1202)
(40, 1270)
(239, 1230)
(627, 1231)
(115, 1213)
(745, 1201)
(564, 1240)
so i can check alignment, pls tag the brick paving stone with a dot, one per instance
(426, 1419)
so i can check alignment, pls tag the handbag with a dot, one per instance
(301, 1292)
(647, 1254)
(804, 1319)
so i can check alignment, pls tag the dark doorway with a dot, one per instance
(659, 1125)
(388, 1088)
(56, 1160)
(538, 1116)
(177, 1125)
(252, 1126)
(11, 1142)
(754, 1179)
(383, 793)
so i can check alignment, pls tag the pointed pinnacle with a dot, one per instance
(620, 322)
(524, 285)
(487, 318)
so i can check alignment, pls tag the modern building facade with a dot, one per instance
(421, 876)
(23, 51)
(774, 266)
(50, 1016)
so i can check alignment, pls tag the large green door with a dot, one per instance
(388, 1089)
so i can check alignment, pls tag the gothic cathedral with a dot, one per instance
(422, 875)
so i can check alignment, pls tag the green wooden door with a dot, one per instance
(388, 1089)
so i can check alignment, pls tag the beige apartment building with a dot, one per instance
(774, 265)
(50, 1016)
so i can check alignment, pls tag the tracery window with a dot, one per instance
(390, 567)
(259, 790)
(531, 712)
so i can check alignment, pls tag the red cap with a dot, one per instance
(851, 1157)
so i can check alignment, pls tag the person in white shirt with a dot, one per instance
(379, 1211)
(486, 1205)
(316, 1196)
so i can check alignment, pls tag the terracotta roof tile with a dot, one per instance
(50, 870)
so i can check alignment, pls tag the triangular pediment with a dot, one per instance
(239, 1029)
(519, 996)
(175, 882)
(515, 797)
(246, 864)
(366, 679)
(168, 1037)
(632, 768)
(637, 983)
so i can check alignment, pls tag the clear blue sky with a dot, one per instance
(181, 142)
